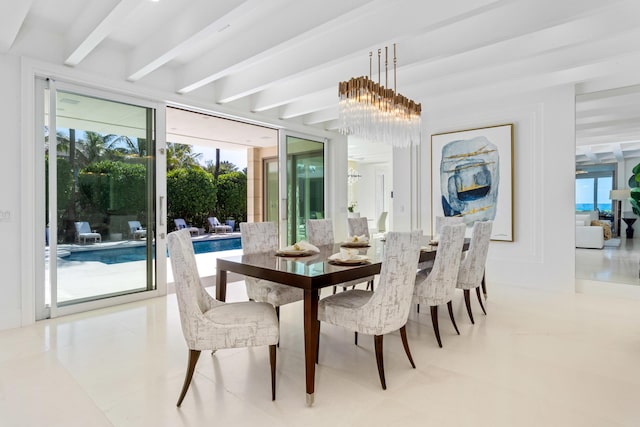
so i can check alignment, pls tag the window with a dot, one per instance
(593, 186)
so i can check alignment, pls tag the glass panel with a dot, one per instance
(305, 185)
(271, 190)
(105, 181)
(604, 185)
(585, 192)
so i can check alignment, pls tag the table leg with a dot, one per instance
(310, 340)
(221, 285)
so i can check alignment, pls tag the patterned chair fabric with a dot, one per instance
(320, 233)
(387, 309)
(436, 286)
(471, 272)
(441, 221)
(259, 237)
(209, 324)
(358, 226)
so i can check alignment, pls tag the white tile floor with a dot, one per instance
(537, 359)
(611, 264)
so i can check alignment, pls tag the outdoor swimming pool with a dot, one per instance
(137, 253)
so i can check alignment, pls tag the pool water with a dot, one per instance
(138, 253)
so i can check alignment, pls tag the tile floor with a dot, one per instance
(611, 264)
(537, 359)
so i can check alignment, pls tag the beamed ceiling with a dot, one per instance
(279, 61)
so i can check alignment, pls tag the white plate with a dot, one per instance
(292, 252)
(358, 259)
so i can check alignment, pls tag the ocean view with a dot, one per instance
(589, 206)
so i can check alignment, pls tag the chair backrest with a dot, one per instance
(134, 225)
(193, 299)
(320, 232)
(83, 227)
(388, 308)
(231, 223)
(441, 221)
(382, 222)
(258, 237)
(358, 226)
(439, 286)
(213, 221)
(472, 267)
(180, 224)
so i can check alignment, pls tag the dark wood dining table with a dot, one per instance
(310, 273)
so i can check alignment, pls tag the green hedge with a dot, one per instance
(232, 197)
(191, 194)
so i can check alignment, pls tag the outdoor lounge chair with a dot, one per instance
(181, 225)
(136, 230)
(84, 232)
(217, 227)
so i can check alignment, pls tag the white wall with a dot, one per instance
(10, 214)
(542, 254)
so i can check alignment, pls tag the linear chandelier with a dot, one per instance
(375, 113)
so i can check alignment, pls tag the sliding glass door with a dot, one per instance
(100, 196)
(305, 185)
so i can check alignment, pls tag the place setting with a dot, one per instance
(356, 242)
(348, 256)
(299, 249)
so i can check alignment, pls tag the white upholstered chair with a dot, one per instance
(437, 286)
(320, 233)
(441, 221)
(259, 237)
(471, 274)
(209, 324)
(385, 310)
(358, 226)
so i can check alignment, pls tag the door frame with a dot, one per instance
(282, 158)
(33, 225)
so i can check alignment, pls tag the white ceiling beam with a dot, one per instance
(321, 116)
(282, 31)
(617, 152)
(12, 15)
(309, 104)
(431, 53)
(101, 31)
(304, 58)
(197, 25)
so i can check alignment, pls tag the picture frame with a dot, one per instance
(472, 176)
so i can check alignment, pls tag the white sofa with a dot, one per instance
(587, 235)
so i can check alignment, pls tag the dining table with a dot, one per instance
(311, 272)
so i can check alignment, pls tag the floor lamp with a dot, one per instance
(617, 196)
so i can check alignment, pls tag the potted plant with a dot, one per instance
(352, 210)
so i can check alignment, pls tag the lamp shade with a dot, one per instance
(620, 194)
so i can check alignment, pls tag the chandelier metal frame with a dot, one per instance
(376, 113)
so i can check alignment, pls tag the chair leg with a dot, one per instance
(278, 316)
(193, 359)
(480, 300)
(272, 361)
(378, 345)
(405, 344)
(356, 338)
(334, 289)
(418, 307)
(484, 287)
(434, 320)
(467, 302)
(453, 320)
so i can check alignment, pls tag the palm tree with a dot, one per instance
(181, 156)
(126, 146)
(93, 149)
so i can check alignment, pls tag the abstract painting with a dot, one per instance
(472, 177)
